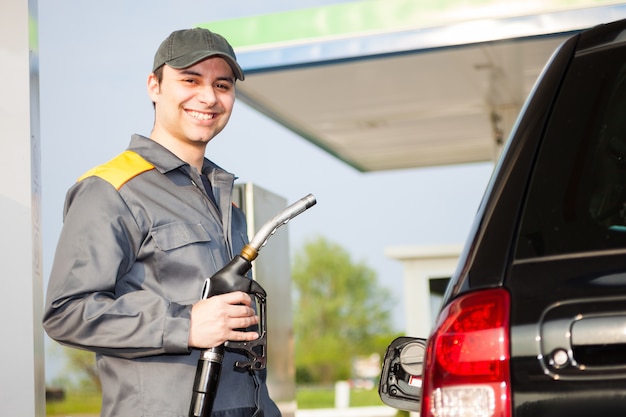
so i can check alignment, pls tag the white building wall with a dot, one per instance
(420, 265)
(21, 351)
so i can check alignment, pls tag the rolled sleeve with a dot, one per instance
(176, 332)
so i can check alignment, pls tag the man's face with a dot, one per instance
(193, 104)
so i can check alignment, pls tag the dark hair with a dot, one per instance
(159, 73)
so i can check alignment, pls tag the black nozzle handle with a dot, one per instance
(232, 278)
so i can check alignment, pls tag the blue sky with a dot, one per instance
(94, 60)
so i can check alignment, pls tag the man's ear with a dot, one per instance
(153, 87)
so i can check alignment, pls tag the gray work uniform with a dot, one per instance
(140, 236)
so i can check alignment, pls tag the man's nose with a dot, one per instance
(207, 95)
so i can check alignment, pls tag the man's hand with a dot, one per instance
(214, 320)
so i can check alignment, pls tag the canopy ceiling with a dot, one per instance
(377, 88)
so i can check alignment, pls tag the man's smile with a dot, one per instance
(199, 115)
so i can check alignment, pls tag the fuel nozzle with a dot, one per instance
(232, 277)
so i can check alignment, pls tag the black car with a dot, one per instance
(533, 321)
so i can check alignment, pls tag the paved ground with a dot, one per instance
(381, 411)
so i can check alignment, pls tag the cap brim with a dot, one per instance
(192, 59)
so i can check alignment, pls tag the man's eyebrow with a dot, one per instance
(229, 79)
(197, 74)
(190, 72)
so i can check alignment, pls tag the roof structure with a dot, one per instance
(395, 84)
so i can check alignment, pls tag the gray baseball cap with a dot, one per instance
(184, 48)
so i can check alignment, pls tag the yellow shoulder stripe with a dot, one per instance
(120, 169)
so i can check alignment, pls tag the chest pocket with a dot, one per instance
(184, 256)
(176, 235)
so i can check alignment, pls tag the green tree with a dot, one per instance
(83, 364)
(340, 312)
(80, 372)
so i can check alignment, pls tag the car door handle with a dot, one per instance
(597, 331)
(583, 339)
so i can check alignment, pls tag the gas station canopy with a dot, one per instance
(395, 84)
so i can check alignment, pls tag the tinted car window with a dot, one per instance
(577, 196)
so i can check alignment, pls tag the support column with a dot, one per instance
(22, 377)
(272, 270)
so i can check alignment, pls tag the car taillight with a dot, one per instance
(467, 361)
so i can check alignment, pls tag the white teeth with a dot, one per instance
(200, 116)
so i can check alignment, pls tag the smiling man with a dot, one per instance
(143, 231)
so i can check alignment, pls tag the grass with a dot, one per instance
(81, 403)
(75, 403)
(324, 397)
